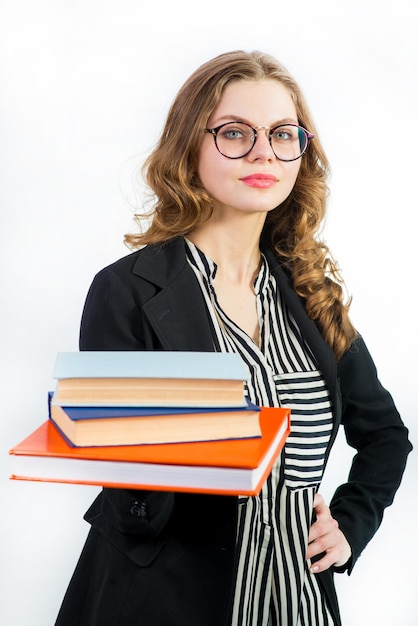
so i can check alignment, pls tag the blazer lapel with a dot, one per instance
(177, 311)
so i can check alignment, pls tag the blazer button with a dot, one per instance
(138, 509)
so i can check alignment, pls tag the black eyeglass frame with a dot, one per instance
(214, 132)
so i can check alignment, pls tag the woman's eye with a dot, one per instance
(233, 133)
(284, 134)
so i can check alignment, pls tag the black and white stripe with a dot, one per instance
(274, 586)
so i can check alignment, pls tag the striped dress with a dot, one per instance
(274, 585)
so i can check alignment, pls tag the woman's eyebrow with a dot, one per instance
(238, 118)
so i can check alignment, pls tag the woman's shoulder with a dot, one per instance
(143, 254)
(150, 260)
(358, 374)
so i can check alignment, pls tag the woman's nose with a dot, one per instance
(262, 148)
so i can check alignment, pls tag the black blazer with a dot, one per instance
(156, 558)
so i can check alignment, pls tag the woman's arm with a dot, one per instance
(374, 428)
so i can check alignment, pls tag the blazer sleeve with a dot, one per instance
(113, 320)
(374, 428)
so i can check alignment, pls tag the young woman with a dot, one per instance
(232, 262)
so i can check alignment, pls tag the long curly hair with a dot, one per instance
(292, 229)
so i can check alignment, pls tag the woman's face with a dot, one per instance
(257, 182)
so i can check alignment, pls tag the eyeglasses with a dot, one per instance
(235, 140)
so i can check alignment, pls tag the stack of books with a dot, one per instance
(131, 398)
(189, 408)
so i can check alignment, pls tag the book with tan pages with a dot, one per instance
(119, 426)
(150, 378)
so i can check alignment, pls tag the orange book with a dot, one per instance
(234, 467)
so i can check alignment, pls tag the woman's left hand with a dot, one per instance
(326, 537)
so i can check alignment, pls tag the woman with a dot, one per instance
(232, 262)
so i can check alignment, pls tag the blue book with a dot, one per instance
(150, 364)
(105, 426)
(182, 379)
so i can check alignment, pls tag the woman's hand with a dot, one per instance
(326, 537)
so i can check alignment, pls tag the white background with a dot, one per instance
(85, 86)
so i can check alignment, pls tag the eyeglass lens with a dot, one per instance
(235, 139)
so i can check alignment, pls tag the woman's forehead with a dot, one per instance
(259, 101)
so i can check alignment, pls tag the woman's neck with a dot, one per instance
(234, 248)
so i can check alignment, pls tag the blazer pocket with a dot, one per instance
(138, 541)
(135, 512)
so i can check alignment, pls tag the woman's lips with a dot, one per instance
(262, 181)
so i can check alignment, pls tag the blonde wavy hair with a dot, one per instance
(292, 229)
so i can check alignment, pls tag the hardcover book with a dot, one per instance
(110, 426)
(236, 466)
(189, 379)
